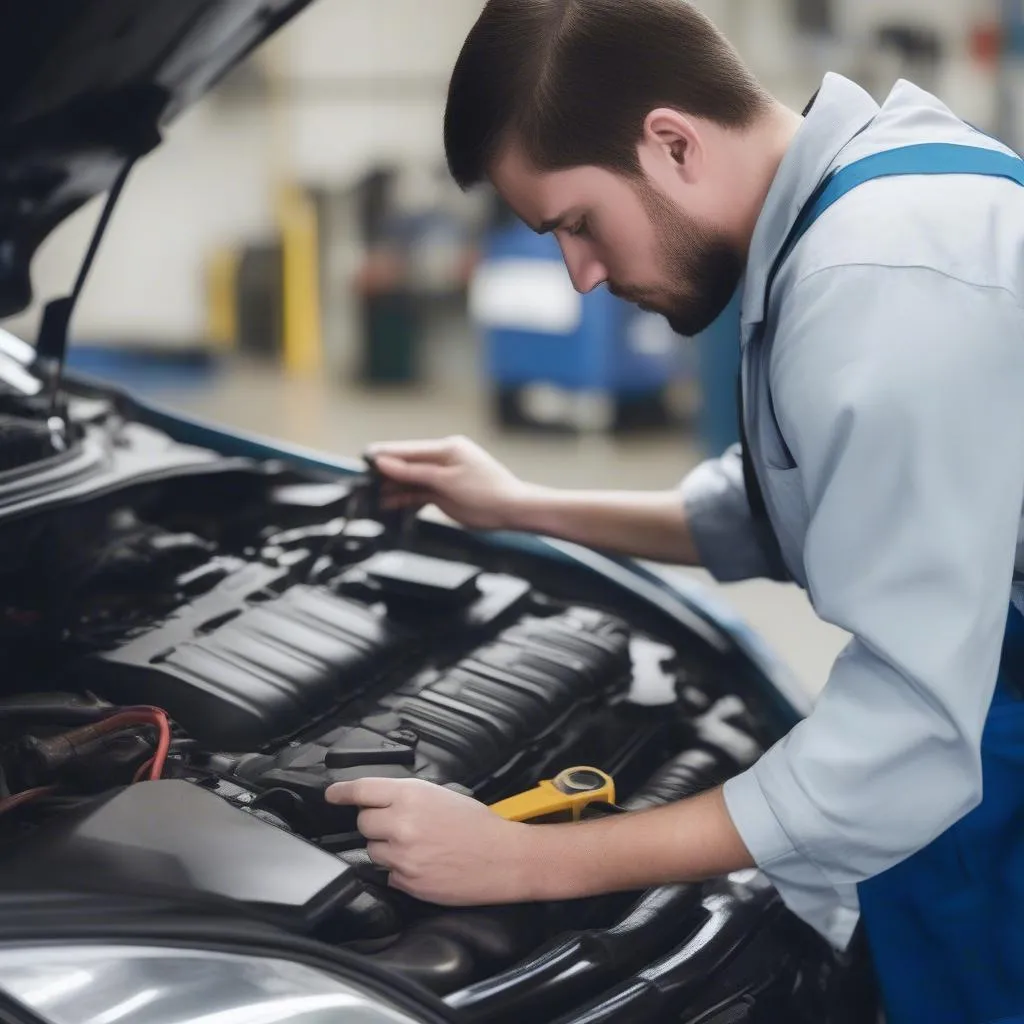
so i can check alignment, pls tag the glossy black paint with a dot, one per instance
(573, 967)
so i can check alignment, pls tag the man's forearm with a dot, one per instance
(688, 841)
(642, 525)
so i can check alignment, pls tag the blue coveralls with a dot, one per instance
(946, 925)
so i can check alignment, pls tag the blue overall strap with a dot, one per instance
(925, 158)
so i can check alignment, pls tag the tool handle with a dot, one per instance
(534, 803)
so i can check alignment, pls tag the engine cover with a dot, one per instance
(471, 723)
(241, 666)
(259, 657)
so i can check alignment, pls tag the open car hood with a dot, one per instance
(86, 85)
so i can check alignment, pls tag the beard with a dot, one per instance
(704, 268)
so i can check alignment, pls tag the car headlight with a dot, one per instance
(88, 984)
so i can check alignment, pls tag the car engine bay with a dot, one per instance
(194, 656)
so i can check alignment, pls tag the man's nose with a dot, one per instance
(585, 271)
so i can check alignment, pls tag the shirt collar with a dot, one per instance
(838, 112)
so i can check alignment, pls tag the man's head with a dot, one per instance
(625, 127)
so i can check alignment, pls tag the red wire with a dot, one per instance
(129, 716)
(150, 716)
(8, 803)
(162, 748)
(144, 715)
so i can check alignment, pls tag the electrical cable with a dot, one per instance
(150, 716)
(126, 717)
(143, 716)
(176, 745)
(142, 769)
(162, 748)
(9, 803)
(122, 719)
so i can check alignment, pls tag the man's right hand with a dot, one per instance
(454, 474)
(474, 489)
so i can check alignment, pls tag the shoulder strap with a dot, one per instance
(924, 158)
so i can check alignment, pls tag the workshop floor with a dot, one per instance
(344, 420)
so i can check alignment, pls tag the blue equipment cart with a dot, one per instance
(560, 360)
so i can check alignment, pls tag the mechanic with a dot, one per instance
(883, 382)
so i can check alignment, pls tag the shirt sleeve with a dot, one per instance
(898, 391)
(718, 515)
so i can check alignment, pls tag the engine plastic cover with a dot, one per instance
(468, 723)
(172, 835)
(241, 666)
(260, 657)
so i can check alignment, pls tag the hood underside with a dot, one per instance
(86, 85)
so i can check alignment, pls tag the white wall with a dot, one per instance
(337, 48)
(962, 84)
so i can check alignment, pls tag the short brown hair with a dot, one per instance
(573, 80)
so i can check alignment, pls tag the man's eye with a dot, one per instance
(579, 229)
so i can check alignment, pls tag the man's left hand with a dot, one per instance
(438, 845)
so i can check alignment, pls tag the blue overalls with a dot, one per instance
(946, 926)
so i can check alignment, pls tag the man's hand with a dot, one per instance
(449, 849)
(454, 474)
(438, 845)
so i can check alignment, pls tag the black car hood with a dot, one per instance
(86, 85)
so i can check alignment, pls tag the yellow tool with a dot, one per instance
(571, 790)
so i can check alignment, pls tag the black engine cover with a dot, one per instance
(259, 658)
(241, 666)
(471, 723)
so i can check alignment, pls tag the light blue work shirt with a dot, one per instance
(891, 454)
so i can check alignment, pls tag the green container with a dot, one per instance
(391, 340)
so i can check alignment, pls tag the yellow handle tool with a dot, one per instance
(571, 790)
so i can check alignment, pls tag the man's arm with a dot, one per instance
(478, 491)
(707, 522)
(687, 841)
(898, 392)
(718, 513)
(449, 849)
(649, 525)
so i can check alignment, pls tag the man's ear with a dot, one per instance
(673, 141)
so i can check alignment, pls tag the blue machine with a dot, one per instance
(581, 351)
